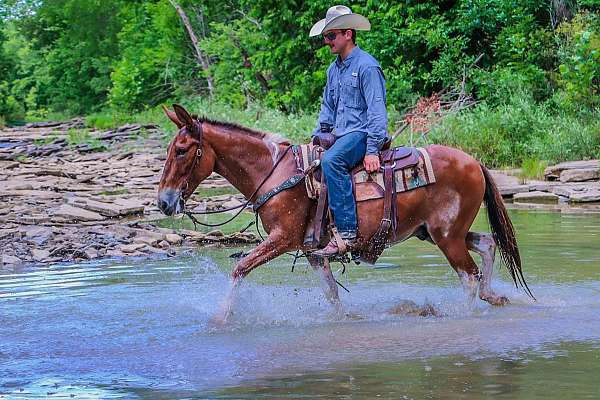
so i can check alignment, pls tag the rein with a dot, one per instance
(241, 207)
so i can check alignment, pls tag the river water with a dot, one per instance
(141, 329)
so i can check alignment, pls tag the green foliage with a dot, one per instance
(116, 61)
(153, 56)
(234, 48)
(47, 139)
(532, 168)
(75, 137)
(579, 70)
(519, 130)
(295, 127)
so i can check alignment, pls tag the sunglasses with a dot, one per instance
(331, 35)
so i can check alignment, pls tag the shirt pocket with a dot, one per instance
(351, 91)
(333, 94)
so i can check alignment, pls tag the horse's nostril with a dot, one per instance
(163, 206)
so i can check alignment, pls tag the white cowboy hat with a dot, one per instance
(340, 17)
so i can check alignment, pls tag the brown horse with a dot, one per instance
(441, 213)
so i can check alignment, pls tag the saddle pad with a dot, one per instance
(370, 186)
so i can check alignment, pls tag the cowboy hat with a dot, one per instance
(340, 17)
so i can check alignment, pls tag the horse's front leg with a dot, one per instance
(321, 266)
(272, 247)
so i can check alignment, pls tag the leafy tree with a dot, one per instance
(77, 41)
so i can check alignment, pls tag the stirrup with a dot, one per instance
(336, 246)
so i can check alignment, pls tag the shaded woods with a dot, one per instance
(537, 85)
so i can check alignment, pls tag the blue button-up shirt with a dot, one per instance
(354, 99)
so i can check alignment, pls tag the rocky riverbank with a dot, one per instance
(570, 187)
(69, 194)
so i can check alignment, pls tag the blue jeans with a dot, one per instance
(336, 163)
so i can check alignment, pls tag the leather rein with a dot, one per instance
(241, 207)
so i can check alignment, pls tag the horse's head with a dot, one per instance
(190, 160)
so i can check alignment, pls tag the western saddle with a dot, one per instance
(392, 161)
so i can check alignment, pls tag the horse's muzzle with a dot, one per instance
(170, 201)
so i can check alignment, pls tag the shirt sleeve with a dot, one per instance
(327, 109)
(373, 87)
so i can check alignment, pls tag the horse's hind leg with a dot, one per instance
(321, 266)
(457, 254)
(484, 245)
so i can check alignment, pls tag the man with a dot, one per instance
(354, 110)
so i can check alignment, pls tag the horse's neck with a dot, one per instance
(242, 159)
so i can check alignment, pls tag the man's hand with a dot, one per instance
(371, 162)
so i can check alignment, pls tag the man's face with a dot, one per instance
(337, 39)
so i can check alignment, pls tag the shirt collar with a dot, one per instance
(353, 53)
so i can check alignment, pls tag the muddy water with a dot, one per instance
(142, 330)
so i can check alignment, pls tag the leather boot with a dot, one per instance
(333, 249)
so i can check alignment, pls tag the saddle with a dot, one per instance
(402, 169)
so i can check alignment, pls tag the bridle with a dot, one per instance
(185, 195)
(186, 184)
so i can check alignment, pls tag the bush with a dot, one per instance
(510, 134)
(579, 70)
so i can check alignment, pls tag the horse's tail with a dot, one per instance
(503, 231)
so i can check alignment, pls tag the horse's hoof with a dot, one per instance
(496, 300)
(219, 319)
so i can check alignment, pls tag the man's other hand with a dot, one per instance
(371, 162)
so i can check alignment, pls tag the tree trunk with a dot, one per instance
(561, 10)
(200, 56)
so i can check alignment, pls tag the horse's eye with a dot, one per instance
(179, 152)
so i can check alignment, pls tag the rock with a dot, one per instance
(91, 253)
(75, 214)
(131, 248)
(9, 233)
(115, 209)
(507, 191)
(232, 203)
(408, 307)
(246, 237)
(34, 194)
(535, 197)
(38, 234)
(16, 185)
(193, 235)
(40, 254)
(215, 233)
(35, 219)
(579, 175)
(173, 238)
(163, 244)
(554, 172)
(115, 253)
(129, 206)
(8, 259)
(585, 197)
(146, 239)
(153, 250)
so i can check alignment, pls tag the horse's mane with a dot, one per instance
(263, 135)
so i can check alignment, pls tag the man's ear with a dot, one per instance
(171, 115)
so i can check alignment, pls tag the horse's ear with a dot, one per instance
(172, 117)
(183, 116)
